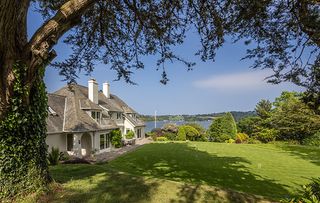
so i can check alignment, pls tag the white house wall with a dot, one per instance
(57, 141)
(128, 125)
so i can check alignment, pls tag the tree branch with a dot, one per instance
(48, 34)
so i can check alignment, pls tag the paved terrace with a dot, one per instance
(108, 156)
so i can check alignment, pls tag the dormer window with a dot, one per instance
(96, 115)
(119, 116)
(51, 111)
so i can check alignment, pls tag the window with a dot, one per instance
(96, 115)
(102, 141)
(105, 141)
(69, 142)
(119, 116)
(139, 133)
(108, 140)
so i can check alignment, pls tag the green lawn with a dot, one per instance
(185, 172)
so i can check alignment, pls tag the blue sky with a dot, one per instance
(228, 84)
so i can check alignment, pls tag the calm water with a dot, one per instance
(150, 125)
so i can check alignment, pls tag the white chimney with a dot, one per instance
(93, 90)
(106, 89)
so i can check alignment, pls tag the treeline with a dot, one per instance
(285, 119)
(197, 117)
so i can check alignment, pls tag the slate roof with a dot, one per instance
(70, 104)
(135, 121)
(55, 121)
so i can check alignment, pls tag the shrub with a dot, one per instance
(181, 134)
(157, 132)
(171, 136)
(220, 138)
(170, 127)
(191, 133)
(152, 135)
(311, 193)
(253, 141)
(198, 127)
(129, 135)
(230, 141)
(116, 138)
(162, 139)
(54, 156)
(64, 156)
(248, 125)
(241, 137)
(266, 135)
(222, 128)
(313, 140)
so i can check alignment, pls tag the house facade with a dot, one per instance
(80, 119)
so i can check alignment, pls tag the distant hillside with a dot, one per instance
(198, 117)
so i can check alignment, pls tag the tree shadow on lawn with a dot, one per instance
(310, 153)
(197, 193)
(180, 162)
(97, 183)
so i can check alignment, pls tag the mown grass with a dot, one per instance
(273, 171)
(191, 172)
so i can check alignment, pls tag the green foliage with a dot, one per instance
(162, 139)
(152, 135)
(176, 118)
(248, 125)
(263, 109)
(313, 140)
(170, 136)
(310, 193)
(116, 138)
(253, 141)
(198, 127)
(293, 118)
(266, 135)
(181, 134)
(222, 128)
(54, 156)
(191, 133)
(129, 135)
(23, 151)
(241, 137)
(230, 141)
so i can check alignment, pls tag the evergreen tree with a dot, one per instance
(181, 134)
(222, 128)
(263, 109)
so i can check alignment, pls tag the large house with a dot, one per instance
(81, 118)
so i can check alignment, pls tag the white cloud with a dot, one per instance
(254, 80)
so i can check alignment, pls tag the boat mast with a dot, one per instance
(155, 119)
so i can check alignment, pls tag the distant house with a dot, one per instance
(81, 118)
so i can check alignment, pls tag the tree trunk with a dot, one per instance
(23, 100)
(23, 166)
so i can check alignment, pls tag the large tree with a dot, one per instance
(117, 32)
(263, 109)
